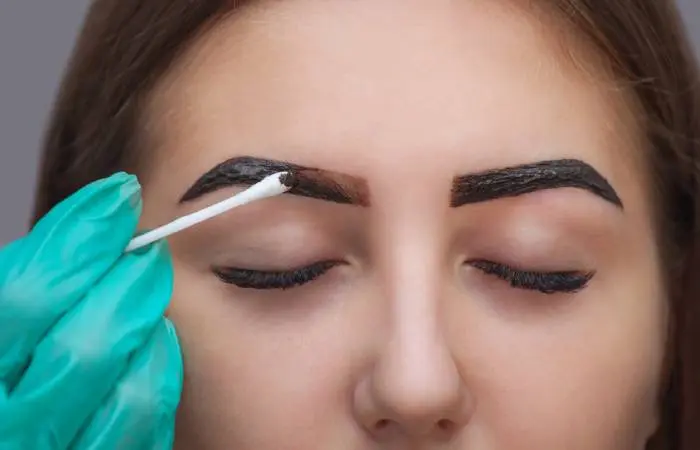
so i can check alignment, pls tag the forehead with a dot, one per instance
(444, 87)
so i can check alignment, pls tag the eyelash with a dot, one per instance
(567, 282)
(262, 279)
(545, 282)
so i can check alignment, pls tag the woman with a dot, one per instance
(512, 263)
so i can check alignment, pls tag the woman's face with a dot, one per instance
(472, 143)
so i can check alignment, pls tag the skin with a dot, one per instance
(404, 347)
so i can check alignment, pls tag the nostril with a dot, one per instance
(381, 424)
(445, 424)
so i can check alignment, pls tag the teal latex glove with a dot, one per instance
(87, 359)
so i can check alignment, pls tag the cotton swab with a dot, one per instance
(269, 186)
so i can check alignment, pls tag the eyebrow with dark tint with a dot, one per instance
(527, 178)
(310, 182)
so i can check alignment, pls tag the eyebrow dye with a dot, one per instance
(527, 178)
(309, 182)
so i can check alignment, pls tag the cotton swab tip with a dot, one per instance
(289, 179)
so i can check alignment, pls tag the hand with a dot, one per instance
(87, 359)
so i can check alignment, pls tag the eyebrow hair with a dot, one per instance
(527, 178)
(311, 182)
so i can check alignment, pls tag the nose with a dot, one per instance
(414, 389)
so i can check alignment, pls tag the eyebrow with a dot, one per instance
(527, 178)
(314, 183)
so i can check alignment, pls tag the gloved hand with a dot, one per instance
(87, 359)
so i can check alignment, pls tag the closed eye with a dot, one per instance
(545, 282)
(287, 279)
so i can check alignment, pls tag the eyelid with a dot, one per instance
(273, 270)
(270, 257)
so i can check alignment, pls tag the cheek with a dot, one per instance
(262, 374)
(585, 376)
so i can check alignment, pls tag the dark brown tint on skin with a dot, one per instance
(93, 132)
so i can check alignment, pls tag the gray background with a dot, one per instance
(36, 37)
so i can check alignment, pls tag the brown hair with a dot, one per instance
(126, 46)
